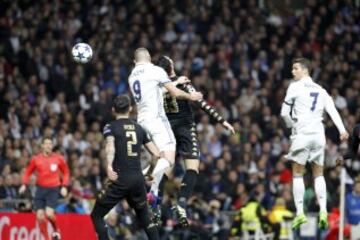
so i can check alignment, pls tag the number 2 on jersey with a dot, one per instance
(132, 141)
(315, 96)
(137, 90)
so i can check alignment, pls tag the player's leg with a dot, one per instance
(298, 193)
(298, 154)
(190, 148)
(164, 139)
(105, 201)
(52, 195)
(188, 181)
(160, 131)
(137, 200)
(317, 165)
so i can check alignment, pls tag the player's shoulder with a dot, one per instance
(137, 125)
(107, 129)
(158, 70)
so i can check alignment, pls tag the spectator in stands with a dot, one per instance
(250, 53)
(352, 205)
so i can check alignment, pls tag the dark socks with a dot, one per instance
(162, 185)
(187, 186)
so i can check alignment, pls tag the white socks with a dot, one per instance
(320, 190)
(298, 192)
(161, 166)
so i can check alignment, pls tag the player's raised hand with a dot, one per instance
(112, 175)
(344, 136)
(22, 189)
(195, 96)
(229, 127)
(182, 80)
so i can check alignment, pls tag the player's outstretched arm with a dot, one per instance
(210, 110)
(175, 92)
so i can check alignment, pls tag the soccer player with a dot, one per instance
(48, 166)
(146, 81)
(302, 110)
(180, 115)
(124, 139)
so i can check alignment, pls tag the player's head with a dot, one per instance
(142, 55)
(121, 104)
(167, 64)
(300, 68)
(47, 145)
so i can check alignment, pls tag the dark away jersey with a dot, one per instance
(129, 137)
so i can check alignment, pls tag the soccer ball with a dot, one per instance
(82, 52)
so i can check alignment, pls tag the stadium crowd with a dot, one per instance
(238, 53)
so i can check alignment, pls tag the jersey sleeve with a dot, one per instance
(291, 94)
(107, 131)
(65, 171)
(334, 114)
(29, 170)
(146, 137)
(162, 76)
(287, 106)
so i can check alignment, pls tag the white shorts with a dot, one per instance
(160, 132)
(307, 148)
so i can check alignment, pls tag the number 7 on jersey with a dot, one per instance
(315, 96)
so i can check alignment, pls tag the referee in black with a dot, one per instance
(181, 118)
(124, 138)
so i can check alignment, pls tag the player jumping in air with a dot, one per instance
(146, 82)
(302, 111)
(180, 115)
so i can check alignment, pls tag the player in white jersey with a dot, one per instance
(302, 111)
(146, 81)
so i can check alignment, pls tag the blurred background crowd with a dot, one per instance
(238, 53)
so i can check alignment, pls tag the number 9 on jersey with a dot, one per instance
(137, 90)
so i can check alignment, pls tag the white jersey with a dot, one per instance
(304, 107)
(146, 81)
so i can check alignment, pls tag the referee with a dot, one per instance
(124, 138)
(48, 166)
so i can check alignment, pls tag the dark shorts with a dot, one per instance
(129, 187)
(187, 144)
(46, 197)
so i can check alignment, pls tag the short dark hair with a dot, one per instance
(165, 63)
(304, 62)
(121, 103)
